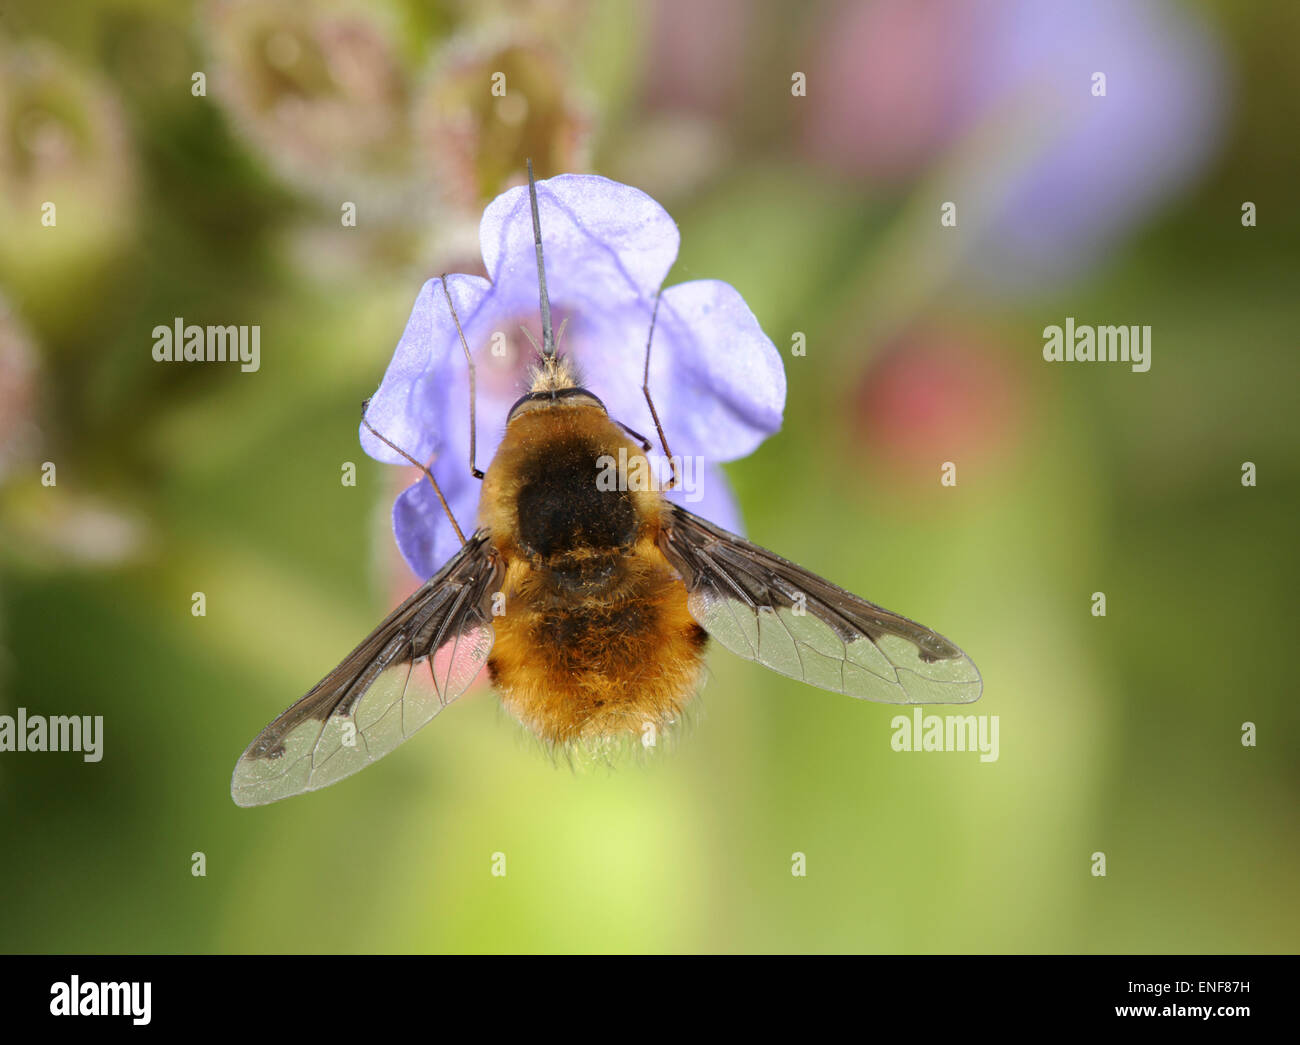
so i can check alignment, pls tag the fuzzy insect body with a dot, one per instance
(589, 603)
(595, 638)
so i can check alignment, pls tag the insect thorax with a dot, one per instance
(561, 506)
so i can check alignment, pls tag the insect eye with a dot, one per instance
(552, 397)
(518, 403)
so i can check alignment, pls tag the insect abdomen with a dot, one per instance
(595, 640)
(582, 668)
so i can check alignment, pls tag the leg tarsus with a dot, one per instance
(645, 388)
(473, 426)
(423, 467)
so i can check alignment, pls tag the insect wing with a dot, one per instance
(422, 657)
(767, 609)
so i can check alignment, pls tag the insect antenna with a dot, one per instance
(548, 339)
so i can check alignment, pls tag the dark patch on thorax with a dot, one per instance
(560, 507)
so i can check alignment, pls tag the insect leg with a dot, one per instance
(473, 428)
(423, 467)
(645, 443)
(645, 387)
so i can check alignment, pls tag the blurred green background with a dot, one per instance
(1119, 734)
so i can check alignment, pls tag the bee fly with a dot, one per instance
(590, 607)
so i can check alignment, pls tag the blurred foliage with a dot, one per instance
(1119, 734)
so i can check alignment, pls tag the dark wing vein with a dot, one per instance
(767, 609)
(377, 697)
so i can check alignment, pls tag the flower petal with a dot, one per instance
(605, 243)
(729, 383)
(424, 534)
(718, 381)
(408, 407)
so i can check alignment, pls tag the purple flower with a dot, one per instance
(1050, 175)
(716, 378)
(1097, 165)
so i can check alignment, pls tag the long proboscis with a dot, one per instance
(548, 340)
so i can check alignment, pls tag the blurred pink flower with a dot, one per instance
(695, 55)
(18, 393)
(887, 84)
(936, 395)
